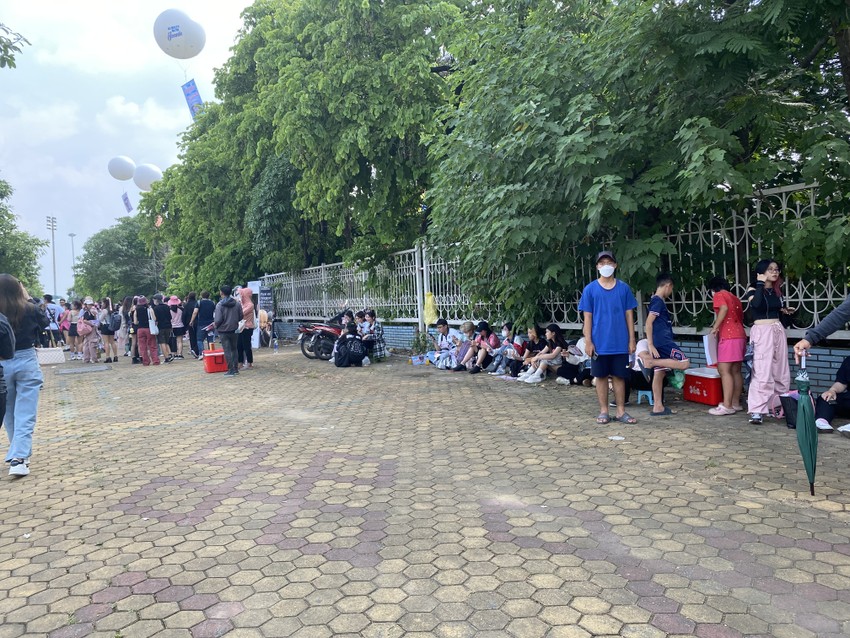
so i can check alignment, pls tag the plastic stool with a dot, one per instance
(647, 394)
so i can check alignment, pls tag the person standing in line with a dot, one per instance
(189, 306)
(728, 328)
(76, 339)
(142, 317)
(21, 373)
(608, 306)
(90, 339)
(108, 329)
(771, 373)
(228, 313)
(123, 334)
(178, 330)
(54, 315)
(163, 322)
(65, 324)
(203, 319)
(244, 348)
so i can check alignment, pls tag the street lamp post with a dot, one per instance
(73, 260)
(51, 226)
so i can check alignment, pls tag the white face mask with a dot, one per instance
(505, 333)
(607, 271)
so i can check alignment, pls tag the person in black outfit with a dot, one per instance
(7, 351)
(163, 322)
(188, 320)
(350, 349)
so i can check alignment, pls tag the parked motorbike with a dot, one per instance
(317, 339)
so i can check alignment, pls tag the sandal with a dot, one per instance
(603, 419)
(626, 418)
(665, 412)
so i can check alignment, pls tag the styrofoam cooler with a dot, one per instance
(702, 385)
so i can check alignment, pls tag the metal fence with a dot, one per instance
(726, 242)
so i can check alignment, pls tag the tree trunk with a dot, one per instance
(842, 40)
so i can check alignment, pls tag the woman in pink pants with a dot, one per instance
(771, 375)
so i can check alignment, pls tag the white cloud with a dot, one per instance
(35, 124)
(122, 115)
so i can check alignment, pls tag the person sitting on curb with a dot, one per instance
(350, 350)
(550, 358)
(663, 352)
(835, 401)
(466, 347)
(487, 343)
(445, 345)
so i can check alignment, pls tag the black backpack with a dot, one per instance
(115, 321)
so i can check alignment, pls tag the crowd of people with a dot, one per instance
(146, 332)
(609, 357)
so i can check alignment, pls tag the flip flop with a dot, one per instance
(626, 418)
(647, 374)
(665, 412)
(603, 419)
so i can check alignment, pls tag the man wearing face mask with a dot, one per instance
(608, 306)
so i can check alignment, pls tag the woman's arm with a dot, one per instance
(721, 315)
(548, 355)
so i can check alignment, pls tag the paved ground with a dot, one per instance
(302, 500)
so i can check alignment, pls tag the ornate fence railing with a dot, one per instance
(727, 243)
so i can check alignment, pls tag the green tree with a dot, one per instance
(10, 46)
(116, 262)
(351, 91)
(616, 123)
(19, 250)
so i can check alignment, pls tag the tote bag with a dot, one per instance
(152, 322)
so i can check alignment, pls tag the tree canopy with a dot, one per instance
(519, 135)
(19, 250)
(116, 262)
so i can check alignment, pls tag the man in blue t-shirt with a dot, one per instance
(663, 353)
(609, 333)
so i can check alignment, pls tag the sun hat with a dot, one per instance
(174, 300)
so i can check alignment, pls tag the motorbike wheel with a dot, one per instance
(324, 348)
(306, 349)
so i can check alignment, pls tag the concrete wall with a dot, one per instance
(822, 366)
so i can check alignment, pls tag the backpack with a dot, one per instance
(115, 321)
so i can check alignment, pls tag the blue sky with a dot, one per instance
(93, 84)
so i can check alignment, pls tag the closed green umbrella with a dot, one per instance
(807, 433)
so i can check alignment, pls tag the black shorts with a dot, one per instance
(164, 335)
(610, 365)
(72, 330)
(178, 332)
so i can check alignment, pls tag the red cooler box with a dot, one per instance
(214, 361)
(702, 385)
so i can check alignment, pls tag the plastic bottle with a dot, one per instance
(275, 346)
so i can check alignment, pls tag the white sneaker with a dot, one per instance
(534, 378)
(823, 426)
(331, 360)
(366, 361)
(18, 467)
(524, 375)
(562, 381)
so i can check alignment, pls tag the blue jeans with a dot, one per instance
(23, 383)
(203, 335)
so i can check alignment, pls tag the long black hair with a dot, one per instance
(558, 341)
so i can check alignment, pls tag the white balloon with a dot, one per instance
(178, 35)
(121, 167)
(146, 175)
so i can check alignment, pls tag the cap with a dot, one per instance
(482, 325)
(88, 301)
(606, 253)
